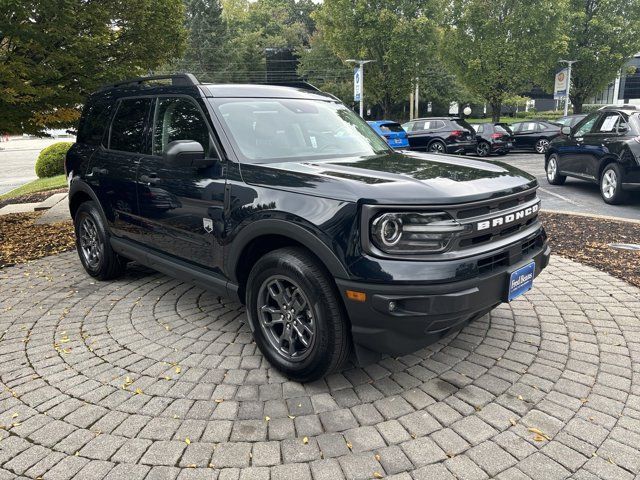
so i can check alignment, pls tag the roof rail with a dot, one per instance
(179, 79)
(620, 107)
(295, 84)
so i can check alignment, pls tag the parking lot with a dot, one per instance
(575, 196)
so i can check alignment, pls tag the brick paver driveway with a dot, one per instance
(150, 378)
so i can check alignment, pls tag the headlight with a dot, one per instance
(414, 232)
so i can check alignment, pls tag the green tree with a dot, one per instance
(324, 69)
(603, 35)
(399, 35)
(206, 53)
(503, 47)
(54, 52)
(255, 27)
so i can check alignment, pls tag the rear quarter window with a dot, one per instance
(461, 124)
(94, 122)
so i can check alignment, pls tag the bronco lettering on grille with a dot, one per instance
(507, 219)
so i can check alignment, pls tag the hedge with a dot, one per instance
(51, 160)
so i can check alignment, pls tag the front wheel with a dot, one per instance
(542, 145)
(553, 175)
(611, 184)
(296, 316)
(483, 149)
(92, 243)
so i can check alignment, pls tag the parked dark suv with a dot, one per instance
(493, 138)
(287, 201)
(441, 135)
(534, 135)
(604, 147)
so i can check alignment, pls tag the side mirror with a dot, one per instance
(622, 129)
(186, 153)
(566, 130)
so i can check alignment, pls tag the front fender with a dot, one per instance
(304, 235)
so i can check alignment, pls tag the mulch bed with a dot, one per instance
(21, 240)
(586, 240)
(583, 239)
(32, 197)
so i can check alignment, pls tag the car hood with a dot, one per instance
(396, 178)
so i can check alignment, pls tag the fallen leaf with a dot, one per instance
(305, 440)
(178, 369)
(219, 400)
(349, 446)
(377, 457)
(138, 391)
(377, 475)
(266, 419)
(187, 441)
(513, 421)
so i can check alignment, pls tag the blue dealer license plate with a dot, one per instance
(521, 280)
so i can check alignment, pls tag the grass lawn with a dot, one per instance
(39, 185)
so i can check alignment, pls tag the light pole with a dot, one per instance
(360, 64)
(566, 98)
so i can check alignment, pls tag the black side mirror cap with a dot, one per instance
(184, 153)
(566, 130)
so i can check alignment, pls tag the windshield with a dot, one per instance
(281, 129)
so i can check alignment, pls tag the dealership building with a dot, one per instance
(625, 89)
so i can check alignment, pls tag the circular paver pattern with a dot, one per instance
(147, 377)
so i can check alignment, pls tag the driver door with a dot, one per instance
(181, 206)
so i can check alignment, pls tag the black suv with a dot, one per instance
(441, 135)
(493, 138)
(604, 147)
(287, 201)
(534, 135)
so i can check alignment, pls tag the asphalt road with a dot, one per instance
(18, 158)
(575, 196)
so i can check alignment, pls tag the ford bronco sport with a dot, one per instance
(287, 201)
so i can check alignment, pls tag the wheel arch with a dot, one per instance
(608, 160)
(80, 192)
(263, 236)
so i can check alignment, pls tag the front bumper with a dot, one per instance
(424, 314)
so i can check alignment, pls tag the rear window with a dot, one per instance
(391, 127)
(460, 123)
(501, 129)
(505, 127)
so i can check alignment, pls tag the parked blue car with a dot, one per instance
(392, 132)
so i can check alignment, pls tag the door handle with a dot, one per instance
(151, 179)
(99, 171)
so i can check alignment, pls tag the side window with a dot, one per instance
(608, 123)
(437, 125)
(425, 125)
(529, 127)
(542, 127)
(515, 128)
(179, 119)
(95, 120)
(127, 127)
(479, 128)
(586, 126)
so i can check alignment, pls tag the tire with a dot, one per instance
(483, 149)
(542, 145)
(290, 278)
(553, 177)
(611, 185)
(437, 147)
(92, 243)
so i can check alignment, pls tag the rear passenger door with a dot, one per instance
(113, 168)
(526, 135)
(181, 207)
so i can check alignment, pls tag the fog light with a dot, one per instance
(392, 306)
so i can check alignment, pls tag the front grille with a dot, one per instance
(489, 264)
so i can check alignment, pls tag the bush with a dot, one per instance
(51, 160)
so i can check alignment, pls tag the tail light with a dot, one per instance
(457, 133)
(496, 135)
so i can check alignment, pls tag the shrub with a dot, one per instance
(51, 160)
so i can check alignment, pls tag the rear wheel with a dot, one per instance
(483, 149)
(611, 184)
(437, 147)
(542, 145)
(296, 315)
(553, 175)
(92, 243)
